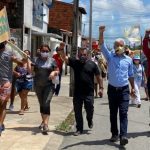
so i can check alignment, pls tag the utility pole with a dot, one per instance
(90, 26)
(74, 42)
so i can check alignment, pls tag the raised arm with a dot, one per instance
(63, 56)
(103, 47)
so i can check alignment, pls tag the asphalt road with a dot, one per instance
(98, 137)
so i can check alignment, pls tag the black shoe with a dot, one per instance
(90, 124)
(77, 133)
(123, 140)
(138, 105)
(114, 138)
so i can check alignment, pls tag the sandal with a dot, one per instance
(26, 108)
(21, 112)
(41, 125)
(45, 128)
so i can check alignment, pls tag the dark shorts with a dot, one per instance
(26, 85)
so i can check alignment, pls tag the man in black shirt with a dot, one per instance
(84, 71)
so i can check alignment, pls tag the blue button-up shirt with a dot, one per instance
(120, 68)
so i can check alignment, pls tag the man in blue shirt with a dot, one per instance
(120, 72)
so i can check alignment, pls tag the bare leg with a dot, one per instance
(45, 119)
(2, 111)
(23, 96)
(45, 123)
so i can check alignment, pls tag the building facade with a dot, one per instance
(28, 21)
(61, 20)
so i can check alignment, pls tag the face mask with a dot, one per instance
(119, 50)
(82, 59)
(44, 54)
(2, 45)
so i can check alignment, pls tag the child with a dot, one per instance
(139, 74)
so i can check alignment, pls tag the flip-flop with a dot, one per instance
(26, 108)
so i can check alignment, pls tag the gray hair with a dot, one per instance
(120, 40)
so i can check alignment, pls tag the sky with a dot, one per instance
(116, 15)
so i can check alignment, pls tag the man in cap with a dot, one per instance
(120, 70)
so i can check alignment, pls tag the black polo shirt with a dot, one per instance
(83, 76)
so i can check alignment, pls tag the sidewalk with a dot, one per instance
(22, 132)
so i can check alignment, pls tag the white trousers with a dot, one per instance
(137, 86)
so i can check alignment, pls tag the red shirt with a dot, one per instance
(58, 60)
(146, 51)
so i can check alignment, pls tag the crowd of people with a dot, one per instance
(119, 66)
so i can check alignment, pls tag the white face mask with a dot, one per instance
(44, 54)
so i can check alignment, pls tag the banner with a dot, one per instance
(17, 50)
(133, 34)
(4, 27)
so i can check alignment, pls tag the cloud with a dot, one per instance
(116, 15)
(119, 14)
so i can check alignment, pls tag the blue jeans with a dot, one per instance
(118, 100)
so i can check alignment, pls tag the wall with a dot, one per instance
(61, 16)
(28, 5)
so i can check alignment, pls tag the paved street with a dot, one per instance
(97, 138)
(22, 132)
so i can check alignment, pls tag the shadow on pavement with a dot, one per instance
(35, 130)
(137, 134)
(69, 133)
(98, 142)
(17, 112)
(107, 142)
(104, 104)
(12, 112)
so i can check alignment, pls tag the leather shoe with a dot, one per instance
(90, 124)
(123, 140)
(77, 133)
(114, 138)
